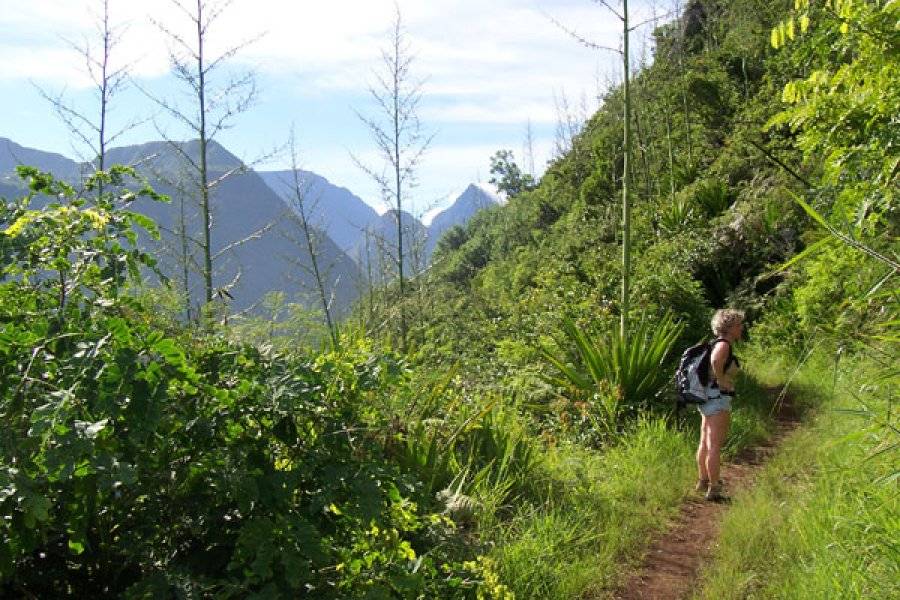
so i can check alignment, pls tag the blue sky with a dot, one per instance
(488, 68)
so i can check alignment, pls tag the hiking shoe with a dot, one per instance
(703, 485)
(715, 493)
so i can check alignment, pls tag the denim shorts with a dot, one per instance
(715, 405)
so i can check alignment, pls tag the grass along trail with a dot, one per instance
(671, 566)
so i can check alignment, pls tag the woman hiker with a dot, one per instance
(727, 325)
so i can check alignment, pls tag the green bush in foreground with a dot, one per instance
(623, 373)
(135, 463)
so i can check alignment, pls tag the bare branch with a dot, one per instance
(215, 12)
(238, 169)
(610, 9)
(253, 236)
(177, 147)
(74, 121)
(170, 231)
(170, 109)
(231, 284)
(652, 19)
(133, 124)
(230, 53)
(177, 39)
(579, 38)
(190, 15)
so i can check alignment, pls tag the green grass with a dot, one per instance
(600, 510)
(822, 520)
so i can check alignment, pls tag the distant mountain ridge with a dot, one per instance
(348, 219)
(242, 205)
(334, 209)
(13, 155)
(355, 239)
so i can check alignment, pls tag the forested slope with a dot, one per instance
(711, 213)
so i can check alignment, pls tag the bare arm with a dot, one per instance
(717, 360)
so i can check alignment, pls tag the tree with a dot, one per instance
(626, 149)
(569, 122)
(843, 116)
(92, 128)
(507, 176)
(399, 137)
(183, 250)
(213, 109)
(626, 176)
(528, 149)
(300, 202)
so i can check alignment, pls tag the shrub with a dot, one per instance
(138, 463)
(631, 364)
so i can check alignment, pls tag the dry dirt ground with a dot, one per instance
(671, 566)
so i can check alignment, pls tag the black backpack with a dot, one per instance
(692, 375)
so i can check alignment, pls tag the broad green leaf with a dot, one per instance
(170, 351)
(90, 430)
(120, 330)
(75, 547)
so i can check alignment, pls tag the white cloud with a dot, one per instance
(505, 43)
(485, 62)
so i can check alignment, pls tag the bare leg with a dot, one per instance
(718, 429)
(702, 473)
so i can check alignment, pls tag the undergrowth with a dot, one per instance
(604, 506)
(822, 520)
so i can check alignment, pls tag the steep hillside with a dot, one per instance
(516, 445)
(711, 212)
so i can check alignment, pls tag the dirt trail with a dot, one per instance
(671, 566)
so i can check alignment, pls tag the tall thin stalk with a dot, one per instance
(300, 201)
(626, 176)
(401, 143)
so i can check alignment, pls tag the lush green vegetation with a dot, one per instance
(143, 459)
(522, 445)
(779, 196)
(822, 520)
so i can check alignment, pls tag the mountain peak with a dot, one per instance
(475, 197)
(163, 155)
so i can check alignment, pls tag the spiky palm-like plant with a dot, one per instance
(630, 364)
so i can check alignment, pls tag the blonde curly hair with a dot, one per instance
(724, 318)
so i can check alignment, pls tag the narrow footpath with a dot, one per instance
(671, 566)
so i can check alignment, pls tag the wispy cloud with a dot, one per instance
(488, 66)
(336, 42)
